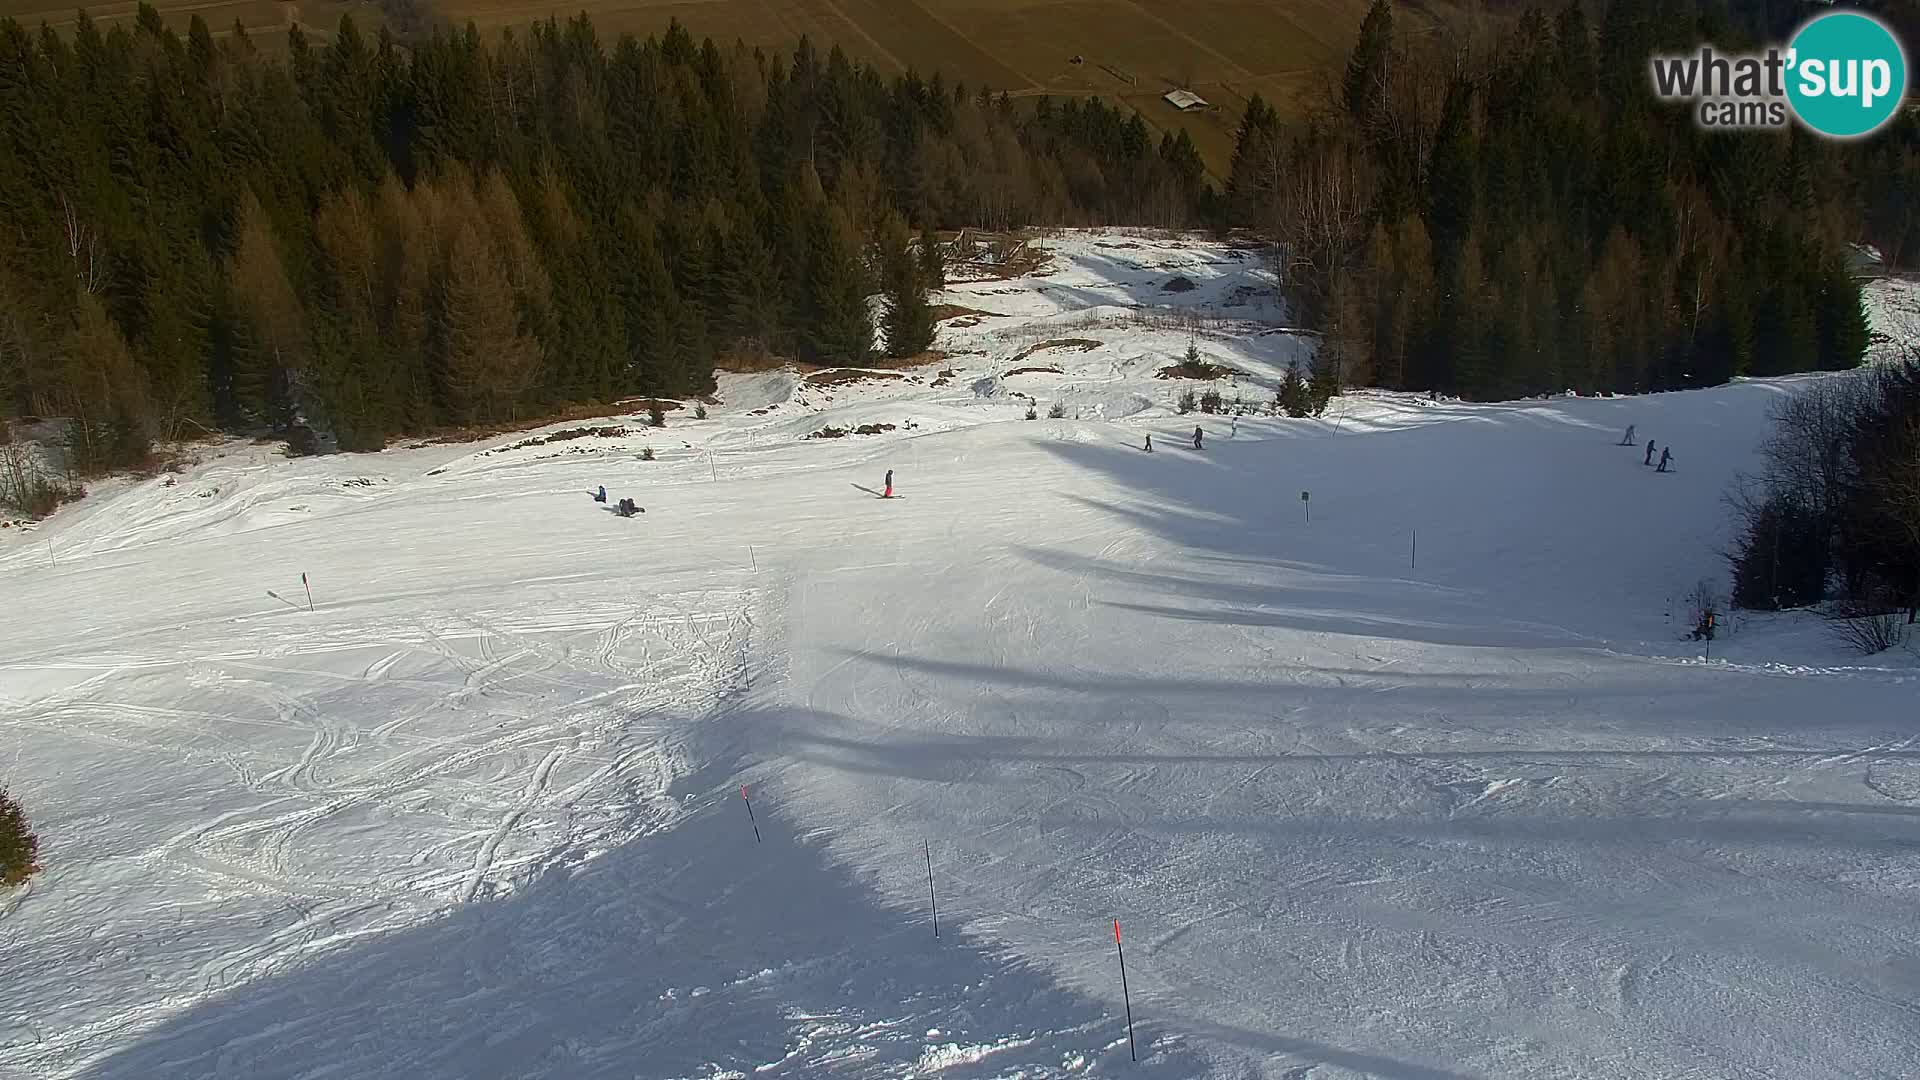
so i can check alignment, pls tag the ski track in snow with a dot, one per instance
(477, 813)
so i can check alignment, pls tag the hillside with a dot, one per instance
(1128, 53)
(1362, 809)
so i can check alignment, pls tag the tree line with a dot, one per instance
(363, 238)
(1833, 517)
(1511, 212)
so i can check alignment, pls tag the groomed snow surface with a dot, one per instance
(1475, 811)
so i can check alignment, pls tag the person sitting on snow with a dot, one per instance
(600, 496)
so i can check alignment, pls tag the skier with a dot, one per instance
(1196, 436)
(1628, 439)
(888, 494)
(1649, 458)
(1666, 455)
(1149, 442)
(1234, 432)
(601, 495)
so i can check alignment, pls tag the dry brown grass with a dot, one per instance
(1200, 370)
(943, 312)
(476, 432)
(847, 376)
(1082, 344)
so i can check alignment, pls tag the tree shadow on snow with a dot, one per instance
(687, 952)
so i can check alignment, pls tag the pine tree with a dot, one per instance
(1366, 67)
(270, 382)
(104, 391)
(487, 360)
(839, 329)
(1295, 396)
(1323, 388)
(909, 318)
(19, 848)
(1254, 175)
(1841, 319)
(933, 261)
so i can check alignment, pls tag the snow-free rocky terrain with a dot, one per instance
(1475, 810)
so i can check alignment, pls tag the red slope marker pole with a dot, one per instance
(309, 588)
(931, 902)
(1125, 994)
(750, 817)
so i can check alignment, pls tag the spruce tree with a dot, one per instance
(1841, 319)
(933, 260)
(839, 329)
(19, 848)
(1361, 90)
(1324, 387)
(1296, 398)
(909, 318)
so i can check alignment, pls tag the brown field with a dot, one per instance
(1132, 50)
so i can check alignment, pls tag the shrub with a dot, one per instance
(656, 416)
(1296, 398)
(1703, 604)
(1057, 411)
(1210, 402)
(1031, 413)
(1185, 404)
(18, 846)
(1781, 560)
(1870, 634)
(700, 412)
(646, 453)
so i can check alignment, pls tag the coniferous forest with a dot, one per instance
(362, 238)
(1512, 212)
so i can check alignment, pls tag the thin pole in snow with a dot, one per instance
(711, 470)
(1413, 560)
(753, 559)
(1125, 994)
(931, 902)
(51, 565)
(750, 817)
(309, 588)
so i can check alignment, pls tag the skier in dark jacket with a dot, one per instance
(888, 494)
(1627, 439)
(1196, 436)
(1149, 442)
(601, 495)
(1649, 457)
(1665, 456)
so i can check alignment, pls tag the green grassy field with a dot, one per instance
(1130, 51)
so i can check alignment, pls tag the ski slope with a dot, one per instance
(1470, 809)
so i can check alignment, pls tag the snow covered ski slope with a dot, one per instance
(1475, 810)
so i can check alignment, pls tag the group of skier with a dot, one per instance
(625, 507)
(1666, 455)
(1196, 439)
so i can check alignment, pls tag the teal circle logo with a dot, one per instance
(1846, 74)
